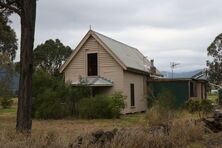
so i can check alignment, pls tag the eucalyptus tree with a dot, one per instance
(26, 9)
(8, 40)
(215, 62)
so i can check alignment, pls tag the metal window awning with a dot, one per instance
(95, 81)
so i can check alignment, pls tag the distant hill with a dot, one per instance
(188, 74)
(15, 80)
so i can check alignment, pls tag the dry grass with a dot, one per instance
(133, 132)
(57, 133)
(126, 137)
(181, 134)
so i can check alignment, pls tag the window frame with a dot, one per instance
(97, 64)
(132, 94)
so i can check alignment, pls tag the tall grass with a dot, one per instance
(181, 134)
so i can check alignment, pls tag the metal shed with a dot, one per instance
(181, 89)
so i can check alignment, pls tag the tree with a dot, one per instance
(26, 9)
(215, 62)
(50, 55)
(8, 41)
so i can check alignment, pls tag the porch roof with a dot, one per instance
(95, 81)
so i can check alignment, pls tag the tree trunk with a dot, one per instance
(28, 15)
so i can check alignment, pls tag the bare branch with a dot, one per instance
(7, 6)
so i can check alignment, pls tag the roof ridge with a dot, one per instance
(121, 43)
(130, 56)
(115, 40)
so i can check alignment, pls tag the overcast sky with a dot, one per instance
(164, 30)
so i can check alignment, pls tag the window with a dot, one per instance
(132, 94)
(92, 64)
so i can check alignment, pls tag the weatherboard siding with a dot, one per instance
(107, 66)
(111, 70)
(140, 91)
(200, 88)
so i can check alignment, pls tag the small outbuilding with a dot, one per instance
(182, 89)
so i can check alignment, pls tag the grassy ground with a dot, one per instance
(70, 128)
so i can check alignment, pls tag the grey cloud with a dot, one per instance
(124, 14)
(172, 30)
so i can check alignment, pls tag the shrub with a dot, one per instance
(206, 106)
(200, 106)
(117, 103)
(75, 94)
(96, 107)
(158, 115)
(53, 98)
(102, 106)
(50, 105)
(192, 105)
(6, 102)
(49, 96)
(163, 109)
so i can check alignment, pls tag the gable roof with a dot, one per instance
(202, 75)
(128, 57)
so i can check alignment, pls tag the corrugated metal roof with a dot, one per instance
(202, 75)
(130, 56)
(95, 81)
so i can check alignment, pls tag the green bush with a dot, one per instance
(53, 98)
(102, 106)
(96, 107)
(50, 105)
(49, 96)
(163, 108)
(192, 105)
(6, 102)
(75, 94)
(117, 103)
(200, 106)
(206, 106)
